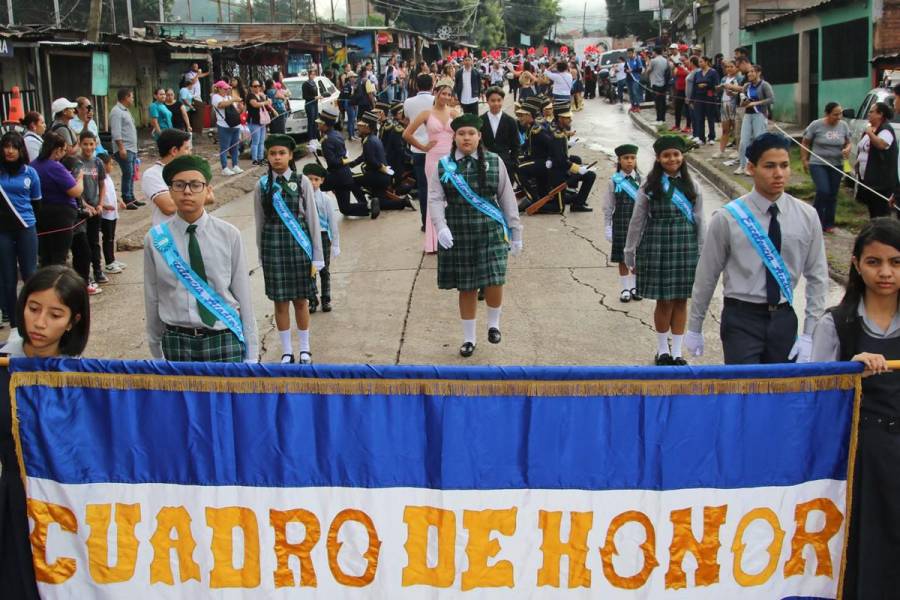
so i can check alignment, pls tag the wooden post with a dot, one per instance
(130, 18)
(56, 16)
(95, 15)
(11, 21)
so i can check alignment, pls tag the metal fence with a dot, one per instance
(29, 102)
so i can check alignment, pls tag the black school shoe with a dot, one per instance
(581, 208)
(313, 306)
(326, 306)
(635, 296)
(679, 361)
(305, 358)
(664, 360)
(287, 359)
(376, 208)
(494, 335)
(467, 349)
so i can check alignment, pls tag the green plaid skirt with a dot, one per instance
(479, 253)
(667, 258)
(621, 219)
(222, 346)
(287, 270)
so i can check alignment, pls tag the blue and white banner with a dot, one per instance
(171, 480)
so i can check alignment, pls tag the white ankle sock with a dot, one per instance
(624, 281)
(303, 334)
(632, 281)
(662, 342)
(493, 316)
(468, 326)
(676, 345)
(286, 345)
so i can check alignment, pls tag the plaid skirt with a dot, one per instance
(479, 253)
(666, 259)
(222, 346)
(621, 219)
(287, 270)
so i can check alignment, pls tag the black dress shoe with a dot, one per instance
(581, 208)
(132, 206)
(326, 306)
(481, 294)
(313, 307)
(287, 359)
(467, 349)
(635, 296)
(494, 335)
(679, 361)
(422, 229)
(376, 208)
(305, 358)
(140, 203)
(664, 360)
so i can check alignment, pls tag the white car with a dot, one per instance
(296, 122)
(858, 118)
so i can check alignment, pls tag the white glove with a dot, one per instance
(693, 341)
(515, 247)
(389, 171)
(318, 265)
(609, 235)
(573, 141)
(582, 170)
(313, 145)
(549, 164)
(445, 238)
(802, 349)
(335, 251)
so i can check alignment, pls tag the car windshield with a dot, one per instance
(294, 87)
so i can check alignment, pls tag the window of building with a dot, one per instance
(779, 59)
(842, 60)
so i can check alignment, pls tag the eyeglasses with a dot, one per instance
(195, 186)
(88, 107)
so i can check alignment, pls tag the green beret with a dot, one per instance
(626, 149)
(314, 169)
(466, 120)
(187, 162)
(669, 142)
(280, 139)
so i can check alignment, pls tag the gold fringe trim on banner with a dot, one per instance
(432, 387)
(851, 472)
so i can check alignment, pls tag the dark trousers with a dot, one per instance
(342, 195)
(18, 256)
(421, 183)
(81, 254)
(312, 113)
(470, 108)
(878, 207)
(93, 238)
(587, 183)
(53, 248)
(753, 335)
(680, 107)
(323, 276)
(108, 228)
(659, 101)
(127, 166)
(376, 183)
(827, 182)
(704, 113)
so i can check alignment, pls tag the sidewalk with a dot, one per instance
(851, 215)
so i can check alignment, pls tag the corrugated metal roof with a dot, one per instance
(793, 13)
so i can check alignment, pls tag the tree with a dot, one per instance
(625, 19)
(490, 30)
(533, 18)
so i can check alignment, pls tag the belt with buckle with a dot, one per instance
(194, 331)
(889, 424)
(757, 305)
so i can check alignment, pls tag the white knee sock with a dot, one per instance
(286, 345)
(493, 316)
(303, 334)
(676, 345)
(662, 342)
(632, 281)
(624, 281)
(468, 326)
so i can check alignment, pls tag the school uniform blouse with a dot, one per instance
(307, 211)
(19, 193)
(328, 208)
(168, 302)
(609, 209)
(729, 251)
(825, 343)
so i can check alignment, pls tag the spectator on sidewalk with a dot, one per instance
(59, 193)
(84, 117)
(680, 73)
(758, 97)
(180, 117)
(86, 245)
(35, 126)
(63, 112)
(125, 140)
(311, 103)
(258, 116)
(228, 122)
(160, 115)
(110, 205)
(730, 94)
(829, 140)
(877, 161)
(658, 70)
(280, 95)
(704, 101)
(619, 75)
(634, 66)
(186, 99)
(467, 85)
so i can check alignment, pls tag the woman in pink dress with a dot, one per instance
(440, 138)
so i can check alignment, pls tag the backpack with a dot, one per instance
(360, 96)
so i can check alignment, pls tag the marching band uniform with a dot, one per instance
(396, 150)
(375, 177)
(563, 168)
(339, 179)
(535, 154)
(179, 327)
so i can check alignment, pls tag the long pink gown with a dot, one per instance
(443, 134)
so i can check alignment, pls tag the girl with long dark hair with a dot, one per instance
(865, 327)
(60, 191)
(663, 244)
(474, 241)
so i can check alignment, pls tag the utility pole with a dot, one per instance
(56, 13)
(112, 17)
(190, 16)
(584, 21)
(218, 5)
(332, 10)
(95, 15)
(9, 12)
(271, 11)
(250, 10)
(130, 18)
(162, 12)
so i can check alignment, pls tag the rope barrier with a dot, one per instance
(62, 229)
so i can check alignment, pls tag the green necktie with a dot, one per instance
(197, 265)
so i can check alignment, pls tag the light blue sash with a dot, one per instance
(522, 139)
(483, 206)
(324, 222)
(679, 199)
(760, 241)
(622, 183)
(199, 289)
(287, 217)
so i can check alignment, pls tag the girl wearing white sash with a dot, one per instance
(289, 240)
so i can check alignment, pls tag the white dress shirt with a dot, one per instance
(412, 107)
(494, 120)
(466, 94)
(168, 302)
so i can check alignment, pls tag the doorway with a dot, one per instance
(813, 91)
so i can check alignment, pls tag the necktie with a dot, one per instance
(197, 265)
(773, 292)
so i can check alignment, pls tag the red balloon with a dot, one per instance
(484, 54)
(564, 49)
(545, 50)
(510, 52)
(454, 54)
(531, 51)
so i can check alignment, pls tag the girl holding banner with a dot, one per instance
(865, 327)
(289, 240)
(663, 244)
(620, 198)
(473, 207)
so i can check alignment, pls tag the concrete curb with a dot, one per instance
(721, 181)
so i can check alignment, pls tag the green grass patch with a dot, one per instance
(850, 214)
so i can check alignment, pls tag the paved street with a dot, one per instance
(561, 302)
